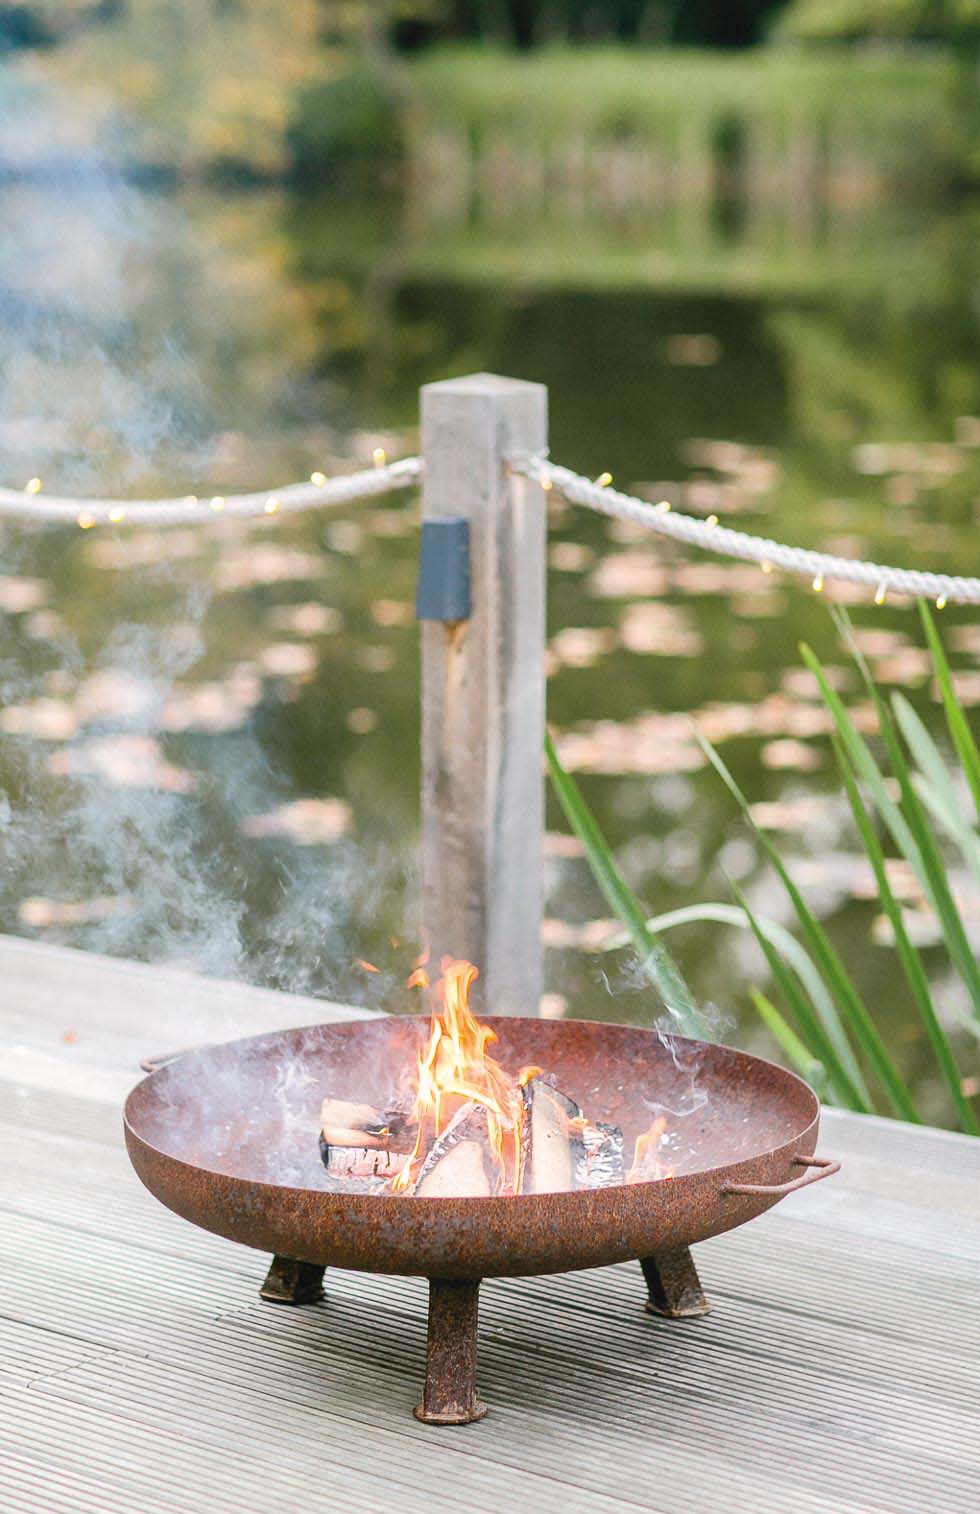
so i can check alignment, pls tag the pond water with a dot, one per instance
(209, 735)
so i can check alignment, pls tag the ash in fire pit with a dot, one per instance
(467, 1128)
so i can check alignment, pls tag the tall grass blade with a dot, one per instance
(793, 954)
(839, 1084)
(849, 1002)
(863, 760)
(798, 1054)
(654, 958)
(959, 728)
(935, 786)
(907, 954)
(933, 868)
(911, 832)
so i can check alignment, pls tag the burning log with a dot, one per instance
(552, 1149)
(459, 1161)
(508, 1134)
(358, 1168)
(560, 1148)
(363, 1148)
(346, 1124)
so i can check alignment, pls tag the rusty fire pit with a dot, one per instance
(226, 1137)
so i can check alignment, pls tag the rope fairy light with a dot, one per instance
(30, 503)
(819, 567)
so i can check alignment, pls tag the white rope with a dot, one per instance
(818, 566)
(31, 504)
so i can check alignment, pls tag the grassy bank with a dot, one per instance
(847, 123)
(592, 125)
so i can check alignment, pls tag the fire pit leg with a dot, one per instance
(289, 1282)
(450, 1396)
(673, 1285)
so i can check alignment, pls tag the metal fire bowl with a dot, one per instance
(226, 1136)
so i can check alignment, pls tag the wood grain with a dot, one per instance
(483, 693)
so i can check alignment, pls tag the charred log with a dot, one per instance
(360, 1161)
(552, 1149)
(363, 1148)
(459, 1162)
(345, 1124)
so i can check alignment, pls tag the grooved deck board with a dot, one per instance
(838, 1373)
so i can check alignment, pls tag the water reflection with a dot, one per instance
(217, 728)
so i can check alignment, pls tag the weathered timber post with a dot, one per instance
(483, 688)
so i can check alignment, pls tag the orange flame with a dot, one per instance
(454, 1069)
(647, 1165)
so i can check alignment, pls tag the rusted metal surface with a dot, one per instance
(227, 1137)
(673, 1285)
(289, 1282)
(209, 1137)
(450, 1396)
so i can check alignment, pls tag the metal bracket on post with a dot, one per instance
(483, 685)
(444, 571)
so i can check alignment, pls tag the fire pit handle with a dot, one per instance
(825, 1166)
(153, 1064)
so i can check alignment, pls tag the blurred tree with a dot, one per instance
(524, 23)
(190, 84)
(739, 23)
(952, 21)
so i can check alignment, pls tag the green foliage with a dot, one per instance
(925, 789)
(529, 22)
(830, 1034)
(600, 88)
(260, 87)
(900, 119)
(348, 120)
(852, 1011)
(654, 960)
(952, 21)
(190, 85)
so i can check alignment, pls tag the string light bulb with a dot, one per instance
(318, 478)
(545, 483)
(380, 457)
(818, 583)
(86, 520)
(941, 601)
(766, 566)
(190, 499)
(117, 515)
(33, 486)
(664, 507)
(711, 522)
(604, 480)
(218, 503)
(271, 505)
(880, 593)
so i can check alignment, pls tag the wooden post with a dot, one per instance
(483, 692)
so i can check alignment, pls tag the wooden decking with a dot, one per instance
(139, 1372)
